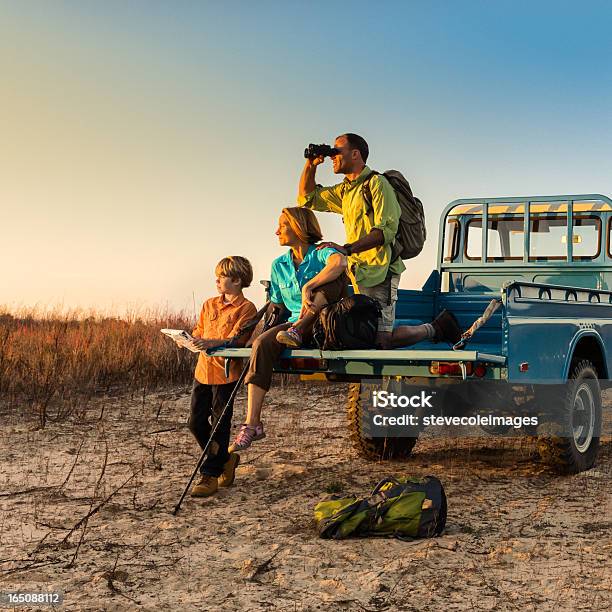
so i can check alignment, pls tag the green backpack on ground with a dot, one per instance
(405, 508)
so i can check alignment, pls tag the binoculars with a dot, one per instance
(312, 151)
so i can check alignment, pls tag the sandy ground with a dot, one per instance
(517, 537)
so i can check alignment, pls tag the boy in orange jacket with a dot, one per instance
(220, 319)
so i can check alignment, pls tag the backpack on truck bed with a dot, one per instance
(404, 508)
(411, 232)
(351, 323)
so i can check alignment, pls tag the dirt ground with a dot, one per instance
(518, 536)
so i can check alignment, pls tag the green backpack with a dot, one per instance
(405, 508)
(411, 231)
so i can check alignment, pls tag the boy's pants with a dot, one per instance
(207, 402)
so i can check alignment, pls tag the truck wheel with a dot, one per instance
(363, 442)
(580, 403)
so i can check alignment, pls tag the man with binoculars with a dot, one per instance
(371, 214)
(370, 227)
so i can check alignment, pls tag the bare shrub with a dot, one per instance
(55, 361)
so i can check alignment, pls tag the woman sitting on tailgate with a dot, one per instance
(303, 280)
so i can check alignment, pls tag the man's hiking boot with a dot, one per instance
(246, 436)
(446, 328)
(229, 471)
(290, 337)
(207, 486)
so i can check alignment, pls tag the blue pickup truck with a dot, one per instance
(548, 260)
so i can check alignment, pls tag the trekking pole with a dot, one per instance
(246, 327)
(210, 439)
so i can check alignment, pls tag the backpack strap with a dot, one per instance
(366, 192)
(383, 482)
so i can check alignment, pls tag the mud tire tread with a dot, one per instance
(560, 452)
(375, 449)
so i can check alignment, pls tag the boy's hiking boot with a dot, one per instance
(207, 486)
(290, 337)
(229, 471)
(246, 436)
(446, 328)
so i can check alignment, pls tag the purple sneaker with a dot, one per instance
(290, 337)
(246, 436)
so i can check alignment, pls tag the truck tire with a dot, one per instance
(580, 403)
(364, 443)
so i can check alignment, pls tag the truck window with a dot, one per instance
(548, 237)
(473, 239)
(504, 239)
(451, 240)
(586, 237)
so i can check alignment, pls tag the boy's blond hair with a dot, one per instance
(237, 268)
(304, 223)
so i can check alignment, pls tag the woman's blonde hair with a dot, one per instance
(304, 223)
(237, 268)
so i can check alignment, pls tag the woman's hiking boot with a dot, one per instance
(290, 337)
(446, 328)
(246, 436)
(229, 471)
(207, 486)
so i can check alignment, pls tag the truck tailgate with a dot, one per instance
(398, 355)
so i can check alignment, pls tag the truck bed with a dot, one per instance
(535, 328)
(413, 308)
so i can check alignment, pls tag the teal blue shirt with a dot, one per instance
(286, 281)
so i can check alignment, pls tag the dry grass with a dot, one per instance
(55, 361)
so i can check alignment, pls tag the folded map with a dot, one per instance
(182, 338)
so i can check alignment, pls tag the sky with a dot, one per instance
(142, 141)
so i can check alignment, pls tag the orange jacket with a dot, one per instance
(220, 321)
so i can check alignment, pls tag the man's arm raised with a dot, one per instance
(323, 199)
(307, 180)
